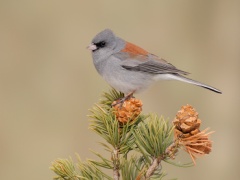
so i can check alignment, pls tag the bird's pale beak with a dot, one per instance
(92, 47)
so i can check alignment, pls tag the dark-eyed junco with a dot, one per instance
(129, 68)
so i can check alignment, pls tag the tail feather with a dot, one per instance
(188, 80)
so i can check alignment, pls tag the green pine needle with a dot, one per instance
(105, 162)
(65, 169)
(179, 164)
(109, 97)
(89, 171)
(154, 136)
(132, 168)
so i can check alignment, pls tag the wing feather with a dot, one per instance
(147, 63)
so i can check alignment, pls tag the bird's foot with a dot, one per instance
(122, 100)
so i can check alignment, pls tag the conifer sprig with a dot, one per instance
(137, 143)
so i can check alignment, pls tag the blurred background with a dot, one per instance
(48, 81)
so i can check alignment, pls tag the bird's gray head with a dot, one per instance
(105, 43)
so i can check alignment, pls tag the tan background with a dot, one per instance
(48, 82)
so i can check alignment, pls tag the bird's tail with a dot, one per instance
(188, 80)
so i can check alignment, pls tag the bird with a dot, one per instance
(129, 68)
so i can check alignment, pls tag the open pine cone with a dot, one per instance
(187, 122)
(188, 134)
(128, 110)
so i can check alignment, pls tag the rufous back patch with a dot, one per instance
(131, 48)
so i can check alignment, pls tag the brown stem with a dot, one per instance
(170, 152)
(153, 167)
(172, 149)
(116, 164)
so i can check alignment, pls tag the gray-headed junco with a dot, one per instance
(129, 68)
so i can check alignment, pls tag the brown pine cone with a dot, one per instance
(127, 110)
(186, 122)
(188, 134)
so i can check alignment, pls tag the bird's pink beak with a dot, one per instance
(92, 47)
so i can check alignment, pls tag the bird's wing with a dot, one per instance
(147, 63)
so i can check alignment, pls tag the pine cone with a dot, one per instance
(128, 110)
(188, 134)
(187, 122)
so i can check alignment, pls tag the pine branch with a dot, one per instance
(150, 138)
(118, 135)
(116, 164)
(156, 162)
(154, 139)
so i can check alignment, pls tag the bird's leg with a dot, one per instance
(121, 101)
(129, 96)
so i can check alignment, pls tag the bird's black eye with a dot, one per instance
(101, 44)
